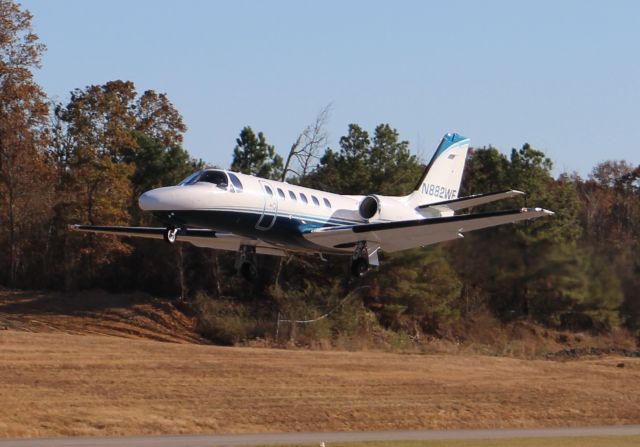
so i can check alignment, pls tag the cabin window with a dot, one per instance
(292, 195)
(237, 184)
(281, 193)
(303, 198)
(326, 202)
(315, 201)
(218, 178)
(269, 190)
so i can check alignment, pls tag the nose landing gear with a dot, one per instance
(170, 235)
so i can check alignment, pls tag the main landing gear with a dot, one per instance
(359, 267)
(363, 257)
(246, 262)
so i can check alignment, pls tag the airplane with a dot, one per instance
(225, 210)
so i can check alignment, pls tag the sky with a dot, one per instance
(562, 76)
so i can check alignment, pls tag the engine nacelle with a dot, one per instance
(376, 207)
(369, 207)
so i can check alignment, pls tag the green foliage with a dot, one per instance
(531, 270)
(224, 322)
(384, 165)
(416, 287)
(252, 155)
(157, 165)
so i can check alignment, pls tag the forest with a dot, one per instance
(87, 159)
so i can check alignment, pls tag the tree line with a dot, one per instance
(88, 159)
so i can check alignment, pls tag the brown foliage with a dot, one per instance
(25, 171)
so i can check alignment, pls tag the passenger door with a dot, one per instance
(270, 210)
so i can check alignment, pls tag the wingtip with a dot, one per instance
(537, 210)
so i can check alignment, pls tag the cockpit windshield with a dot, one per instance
(191, 179)
(218, 178)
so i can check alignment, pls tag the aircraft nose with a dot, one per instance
(174, 198)
(149, 200)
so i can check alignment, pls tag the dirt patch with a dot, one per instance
(134, 315)
(55, 384)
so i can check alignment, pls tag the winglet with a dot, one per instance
(541, 211)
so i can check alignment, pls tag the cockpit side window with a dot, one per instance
(218, 178)
(237, 184)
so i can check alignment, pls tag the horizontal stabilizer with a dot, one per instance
(405, 234)
(475, 200)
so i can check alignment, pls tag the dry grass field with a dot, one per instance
(610, 441)
(64, 384)
(100, 364)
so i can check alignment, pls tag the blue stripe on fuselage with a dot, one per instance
(285, 231)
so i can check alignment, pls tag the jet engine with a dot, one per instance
(374, 207)
(369, 207)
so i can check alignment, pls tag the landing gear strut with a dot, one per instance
(246, 262)
(170, 235)
(363, 257)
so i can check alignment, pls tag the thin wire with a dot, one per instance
(326, 315)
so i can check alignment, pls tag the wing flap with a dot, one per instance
(402, 235)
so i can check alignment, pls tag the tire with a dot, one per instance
(248, 271)
(359, 267)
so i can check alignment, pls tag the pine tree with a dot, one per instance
(252, 155)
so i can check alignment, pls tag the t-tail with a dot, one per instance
(441, 179)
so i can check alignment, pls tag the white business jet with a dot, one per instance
(224, 210)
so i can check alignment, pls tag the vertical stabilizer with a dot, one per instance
(441, 179)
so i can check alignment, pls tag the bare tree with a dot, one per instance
(305, 150)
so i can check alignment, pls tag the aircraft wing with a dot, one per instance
(475, 200)
(405, 234)
(199, 237)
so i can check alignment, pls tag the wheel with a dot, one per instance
(248, 271)
(170, 235)
(359, 267)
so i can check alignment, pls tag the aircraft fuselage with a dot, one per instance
(272, 211)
